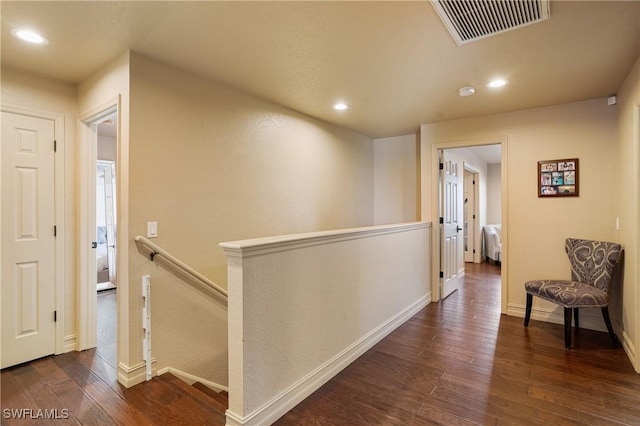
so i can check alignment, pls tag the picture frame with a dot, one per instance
(558, 178)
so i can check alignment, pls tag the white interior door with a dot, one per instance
(451, 261)
(28, 242)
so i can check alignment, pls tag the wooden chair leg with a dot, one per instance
(527, 312)
(575, 318)
(607, 321)
(567, 327)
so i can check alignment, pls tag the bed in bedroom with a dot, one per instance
(102, 259)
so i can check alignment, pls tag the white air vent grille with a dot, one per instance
(470, 20)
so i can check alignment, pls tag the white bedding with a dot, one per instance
(102, 261)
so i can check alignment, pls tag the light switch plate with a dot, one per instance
(152, 229)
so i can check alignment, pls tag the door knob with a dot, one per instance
(458, 228)
(94, 244)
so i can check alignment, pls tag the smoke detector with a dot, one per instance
(471, 20)
(466, 91)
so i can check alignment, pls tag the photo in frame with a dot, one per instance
(558, 178)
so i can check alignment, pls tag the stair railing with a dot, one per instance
(156, 250)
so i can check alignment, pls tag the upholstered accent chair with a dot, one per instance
(592, 265)
(493, 242)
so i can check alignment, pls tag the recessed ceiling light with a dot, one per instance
(498, 82)
(467, 91)
(340, 106)
(29, 36)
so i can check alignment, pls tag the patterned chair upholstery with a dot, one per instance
(592, 265)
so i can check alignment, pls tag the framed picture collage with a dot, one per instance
(558, 178)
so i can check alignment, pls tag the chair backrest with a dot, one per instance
(592, 262)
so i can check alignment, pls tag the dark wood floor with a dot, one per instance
(460, 362)
(82, 388)
(457, 362)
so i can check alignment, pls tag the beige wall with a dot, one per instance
(494, 193)
(210, 164)
(95, 94)
(627, 206)
(536, 228)
(396, 179)
(303, 307)
(236, 167)
(29, 92)
(107, 148)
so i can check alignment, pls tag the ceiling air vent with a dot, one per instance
(469, 20)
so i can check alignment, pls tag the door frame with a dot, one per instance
(87, 157)
(477, 256)
(435, 208)
(59, 214)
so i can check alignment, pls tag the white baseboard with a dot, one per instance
(132, 375)
(191, 379)
(289, 398)
(590, 319)
(70, 343)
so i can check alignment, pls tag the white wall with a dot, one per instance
(494, 193)
(302, 307)
(396, 179)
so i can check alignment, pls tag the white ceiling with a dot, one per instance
(491, 154)
(393, 62)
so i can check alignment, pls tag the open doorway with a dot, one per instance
(479, 203)
(106, 250)
(472, 244)
(98, 155)
(106, 205)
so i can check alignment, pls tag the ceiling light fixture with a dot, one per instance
(467, 91)
(498, 82)
(29, 36)
(340, 106)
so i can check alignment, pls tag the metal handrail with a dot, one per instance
(158, 251)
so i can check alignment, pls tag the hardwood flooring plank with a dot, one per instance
(42, 396)
(202, 396)
(484, 368)
(12, 395)
(305, 418)
(110, 402)
(591, 419)
(462, 406)
(12, 398)
(430, 414)
(83, 407)
(100, 368)
(457, 362)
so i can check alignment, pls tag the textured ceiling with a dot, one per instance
(393, 62)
